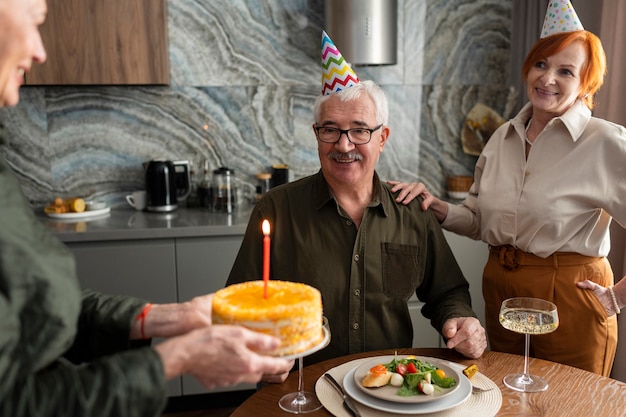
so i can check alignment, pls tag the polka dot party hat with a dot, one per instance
(560, 17)
(336, 73)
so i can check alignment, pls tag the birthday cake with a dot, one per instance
(292, 311)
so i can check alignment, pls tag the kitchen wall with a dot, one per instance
(244, 76)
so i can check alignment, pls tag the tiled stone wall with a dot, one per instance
(244, 75)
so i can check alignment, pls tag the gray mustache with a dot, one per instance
(340, 155)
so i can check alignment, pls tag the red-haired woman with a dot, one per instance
(546, 187)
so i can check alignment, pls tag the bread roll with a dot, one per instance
(376, 380)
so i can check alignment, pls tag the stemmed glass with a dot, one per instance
(301, 401)
(528, 316)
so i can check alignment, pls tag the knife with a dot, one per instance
(347, 401)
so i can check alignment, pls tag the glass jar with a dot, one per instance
(205, 191)
(224, 190)
(264, 183)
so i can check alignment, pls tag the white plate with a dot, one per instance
(458, 397)
(81, 215)
(314, 349)
(389, 393)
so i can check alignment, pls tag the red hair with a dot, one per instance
(592, 72)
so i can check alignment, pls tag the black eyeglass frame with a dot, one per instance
(347, 133)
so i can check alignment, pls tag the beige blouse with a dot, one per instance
(561, 199)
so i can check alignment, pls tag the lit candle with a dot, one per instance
(266, 255)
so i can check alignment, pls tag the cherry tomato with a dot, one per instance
(401, 369)
(440, 373)
(410, 368)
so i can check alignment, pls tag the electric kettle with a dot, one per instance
(167, 183)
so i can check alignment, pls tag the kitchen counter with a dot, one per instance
(125, 224)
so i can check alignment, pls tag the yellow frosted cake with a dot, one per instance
(292, 311)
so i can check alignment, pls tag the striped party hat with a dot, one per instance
(336, 73)
(560, 17)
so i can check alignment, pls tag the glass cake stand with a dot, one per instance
(301, 401)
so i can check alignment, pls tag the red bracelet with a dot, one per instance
(142, 316)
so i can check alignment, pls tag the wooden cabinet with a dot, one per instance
(101, 42)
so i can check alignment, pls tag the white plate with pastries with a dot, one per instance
(81, 215)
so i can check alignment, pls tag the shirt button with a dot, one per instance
(355, 326)
(348, 222)
(357, 257)
(357, 292)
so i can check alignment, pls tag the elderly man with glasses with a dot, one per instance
(341, 231)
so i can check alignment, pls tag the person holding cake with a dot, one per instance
(341, 231)
(67, 352)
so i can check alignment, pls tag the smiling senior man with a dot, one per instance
(341, 231)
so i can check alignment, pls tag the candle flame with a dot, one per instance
(266, 227)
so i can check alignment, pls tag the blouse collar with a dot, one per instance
(575, 119)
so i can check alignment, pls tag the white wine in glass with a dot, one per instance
(528, 316)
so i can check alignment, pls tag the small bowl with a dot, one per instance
(457, 195)
(95, 205)
(459, 182)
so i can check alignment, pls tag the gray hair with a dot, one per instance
(352, 93)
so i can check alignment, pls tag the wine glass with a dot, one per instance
(301, 401)
(528, 316)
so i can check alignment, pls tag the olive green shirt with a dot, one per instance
(64, 352)
(365, 275)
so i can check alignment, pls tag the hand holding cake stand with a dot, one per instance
(302, 401)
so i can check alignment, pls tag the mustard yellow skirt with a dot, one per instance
(586, 338)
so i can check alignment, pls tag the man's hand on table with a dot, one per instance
(466, 335)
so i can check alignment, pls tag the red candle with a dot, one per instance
(266, 255)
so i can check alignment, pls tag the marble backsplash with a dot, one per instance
(244, 76)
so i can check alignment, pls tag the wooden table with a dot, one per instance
(572, 391)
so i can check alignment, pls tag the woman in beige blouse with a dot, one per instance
(546, 187)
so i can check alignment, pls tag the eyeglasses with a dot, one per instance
(357, 135)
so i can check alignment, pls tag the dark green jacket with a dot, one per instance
(64, 352)
(365, 275)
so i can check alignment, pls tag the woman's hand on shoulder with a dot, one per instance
(409, 191)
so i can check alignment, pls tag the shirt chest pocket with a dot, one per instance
(400, 270)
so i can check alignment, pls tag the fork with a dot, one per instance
(477, 390)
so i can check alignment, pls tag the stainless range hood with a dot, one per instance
(365, 31)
